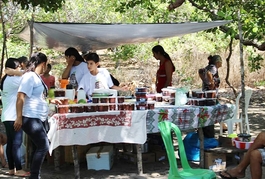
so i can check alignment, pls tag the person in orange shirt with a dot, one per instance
(48, 79)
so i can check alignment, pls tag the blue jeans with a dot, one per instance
(14, 141)
(33, 127)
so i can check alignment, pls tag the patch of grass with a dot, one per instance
(259, 83)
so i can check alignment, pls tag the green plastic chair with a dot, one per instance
(186, 172)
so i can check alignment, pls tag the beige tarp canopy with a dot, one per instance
(84, 37)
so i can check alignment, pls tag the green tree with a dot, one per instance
(47, 5)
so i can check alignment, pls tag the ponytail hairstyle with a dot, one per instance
(71, 51)
(160, 49)
(10, 63)
(92, 56)
(35, 60)
(214, 59)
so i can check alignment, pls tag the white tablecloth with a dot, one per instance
(129, 126)
(86, 128)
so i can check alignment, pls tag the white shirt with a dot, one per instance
(9, 98)
(35, 105)
(100, 81)
(79, 71)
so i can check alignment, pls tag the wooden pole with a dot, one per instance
(242, 71)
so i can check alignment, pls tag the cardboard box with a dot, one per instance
(81, 153)
(146, 157)
(155, 139)
(100, 158)
(161, 156)
(225, 141)
(210, 157)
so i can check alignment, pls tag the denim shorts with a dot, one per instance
(262, 152)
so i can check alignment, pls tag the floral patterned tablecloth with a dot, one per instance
(129, 126)
(188, 117)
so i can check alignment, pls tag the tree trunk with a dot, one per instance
(242, 72)
(228, 67)
(4, 40)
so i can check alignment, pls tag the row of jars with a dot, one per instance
(203, 94)
(202, 101)
(102, 107)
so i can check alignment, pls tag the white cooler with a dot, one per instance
(100, 158)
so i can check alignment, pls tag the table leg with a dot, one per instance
(201, 137)
(139, 159)
(76, 162)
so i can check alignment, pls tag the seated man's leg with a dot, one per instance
(239, 170)
(256, 162)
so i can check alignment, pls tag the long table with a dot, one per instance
(73, 129)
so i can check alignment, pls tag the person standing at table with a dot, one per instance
(96, 78)
(9, 87)
(76, 67)
(210, 81)
(48, 79)
(165, 70)
(209, 75)
(32, 110)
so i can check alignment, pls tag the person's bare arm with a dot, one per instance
(19, 107)
(124, 88)
(210, 80)
(12, 72)
(169, 69)
(67, 70)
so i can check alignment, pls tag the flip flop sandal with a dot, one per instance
(225, 177)
(27, 174)
(9, 174)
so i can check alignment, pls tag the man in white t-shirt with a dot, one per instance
(96, 78)
(76, 67)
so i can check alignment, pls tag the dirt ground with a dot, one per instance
(159, 170)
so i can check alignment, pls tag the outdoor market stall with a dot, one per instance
(128, 126)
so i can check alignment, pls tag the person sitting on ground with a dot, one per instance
(96, 78)
(255, 157)
(48, 79)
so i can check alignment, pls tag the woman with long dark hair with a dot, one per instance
(9, 87)
(32, 110)
(76, 67)
(166, 68)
